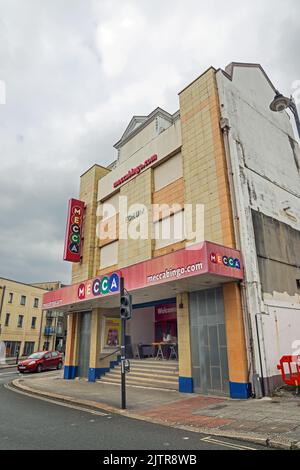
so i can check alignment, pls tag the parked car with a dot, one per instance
(39, 361)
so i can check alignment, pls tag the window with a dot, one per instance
(167, 172)
(28, 348)
(36, 303)
(46, 346)
(7, 319)
(23, 300)
(12, 347)
(109, 255)
(54, 354)
(169, 230)
(10, 297)
(36, 356)
(33, 322)
(109, 207)
(20, 321)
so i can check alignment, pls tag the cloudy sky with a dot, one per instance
(76, 71)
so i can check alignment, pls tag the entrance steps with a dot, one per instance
(146, 373)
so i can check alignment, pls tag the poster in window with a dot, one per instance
(112, 332)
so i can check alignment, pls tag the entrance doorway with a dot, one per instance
(152, 330)
(84, 344)
(166, 322)
(208, 339)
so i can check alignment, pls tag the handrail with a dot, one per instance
(110, 354)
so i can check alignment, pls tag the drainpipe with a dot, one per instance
(260, 359)
(225, 127)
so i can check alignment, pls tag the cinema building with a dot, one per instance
(215, 303)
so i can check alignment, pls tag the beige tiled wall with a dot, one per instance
(204, 164)
(138, 191)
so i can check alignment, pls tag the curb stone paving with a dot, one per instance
(273, 442)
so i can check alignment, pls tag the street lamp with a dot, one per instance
(280, 103)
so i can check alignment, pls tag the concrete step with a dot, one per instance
(171, 385)
(159, 370)
(140, 379)
(151, 364)
(140, 368)
(167, 362)
(147, 374)
(153, 373)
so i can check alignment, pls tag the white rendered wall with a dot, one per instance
(279, 333)
(267, 179)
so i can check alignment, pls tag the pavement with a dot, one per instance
(273, 422)
(8, 364)
(28, 423)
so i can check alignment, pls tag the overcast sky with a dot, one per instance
(76, 71)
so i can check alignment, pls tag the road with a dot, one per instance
(29, 423)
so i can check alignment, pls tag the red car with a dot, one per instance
(39, 361)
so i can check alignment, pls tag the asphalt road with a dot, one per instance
(29, 423)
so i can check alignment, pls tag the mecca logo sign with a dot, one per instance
(228, 261)
(97, 287)
(73, 240)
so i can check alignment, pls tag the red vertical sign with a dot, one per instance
(73, 240)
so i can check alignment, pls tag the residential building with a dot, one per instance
(24, 326)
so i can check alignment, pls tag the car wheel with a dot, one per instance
(39, 368)
(59, 366)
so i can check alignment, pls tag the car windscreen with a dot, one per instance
(36, 356)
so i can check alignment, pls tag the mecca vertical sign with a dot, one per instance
(73, 240)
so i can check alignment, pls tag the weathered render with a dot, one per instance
(264, 169)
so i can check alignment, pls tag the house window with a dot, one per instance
(109, 255)
(36, 303)
(33, 322)
(23, 300)
(167, 172)
(20, 321)
(7, 319)
(28, 348)
(12, 348)
(109, 207)
(169, 230)
(10, 297)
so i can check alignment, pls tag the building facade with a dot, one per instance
(24, 327)
(188, 215)
(264, 161)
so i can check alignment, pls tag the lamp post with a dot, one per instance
(280, 103)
